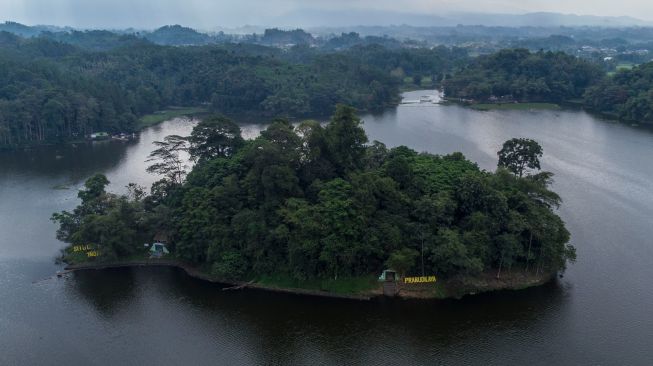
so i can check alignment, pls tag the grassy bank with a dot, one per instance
(409, 84)
(515, 106)
(160, 116)
(344, 286)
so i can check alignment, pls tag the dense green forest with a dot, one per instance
(317, 201)
(522, 76)
(519, 75)
(627, 95)
(52, 91)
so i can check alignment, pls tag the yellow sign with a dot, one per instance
(422, 279)
(89, 249)
(82, 248)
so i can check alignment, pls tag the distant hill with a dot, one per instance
(29, 31)
(19, 29)
(349, 17)
(544, 19)
(281, 37)
(177, 35)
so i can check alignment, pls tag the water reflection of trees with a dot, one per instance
(249, 326)
(284, 329)
(78, 161)
(108, 290)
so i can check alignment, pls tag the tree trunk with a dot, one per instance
(530, 242)
(422, 256)
(537, 272)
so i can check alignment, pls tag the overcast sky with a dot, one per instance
(233, 13)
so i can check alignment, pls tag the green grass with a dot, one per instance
(625, 66)
(346, 285)
(160, 116)
(514, 106)
(409, 83)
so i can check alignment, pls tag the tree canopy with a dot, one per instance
(627, 95)
(53, 92)
(319, 201)
(519, 154)
(518, 74)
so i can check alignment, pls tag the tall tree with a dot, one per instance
(215, 137)
(168, 160)
(346, 139)
(402, 260)
(519, 154)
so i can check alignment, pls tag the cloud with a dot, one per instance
(230, 13)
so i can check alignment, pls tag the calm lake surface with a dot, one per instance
(599, 313)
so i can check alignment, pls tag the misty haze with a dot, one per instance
(328, 182)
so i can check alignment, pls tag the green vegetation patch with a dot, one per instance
(517, 74)
(318, 208)
(625, 66)
(625, 95)
(165, 115)
(343, 285)
(112, 93)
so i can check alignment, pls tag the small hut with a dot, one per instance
(158, 250)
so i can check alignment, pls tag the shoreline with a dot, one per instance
(455, 288)
(197, 274)
(154, 119)
(543, 106)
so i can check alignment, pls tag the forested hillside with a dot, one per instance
(519, 75)
(51, 91)
(627, 95)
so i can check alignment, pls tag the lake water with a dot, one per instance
(599, 313)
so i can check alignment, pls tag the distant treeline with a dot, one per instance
(52, 91)
(627, 95)
(519, 75)
(176, 35)
(522, 76)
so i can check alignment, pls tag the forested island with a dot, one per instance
(320, 207)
